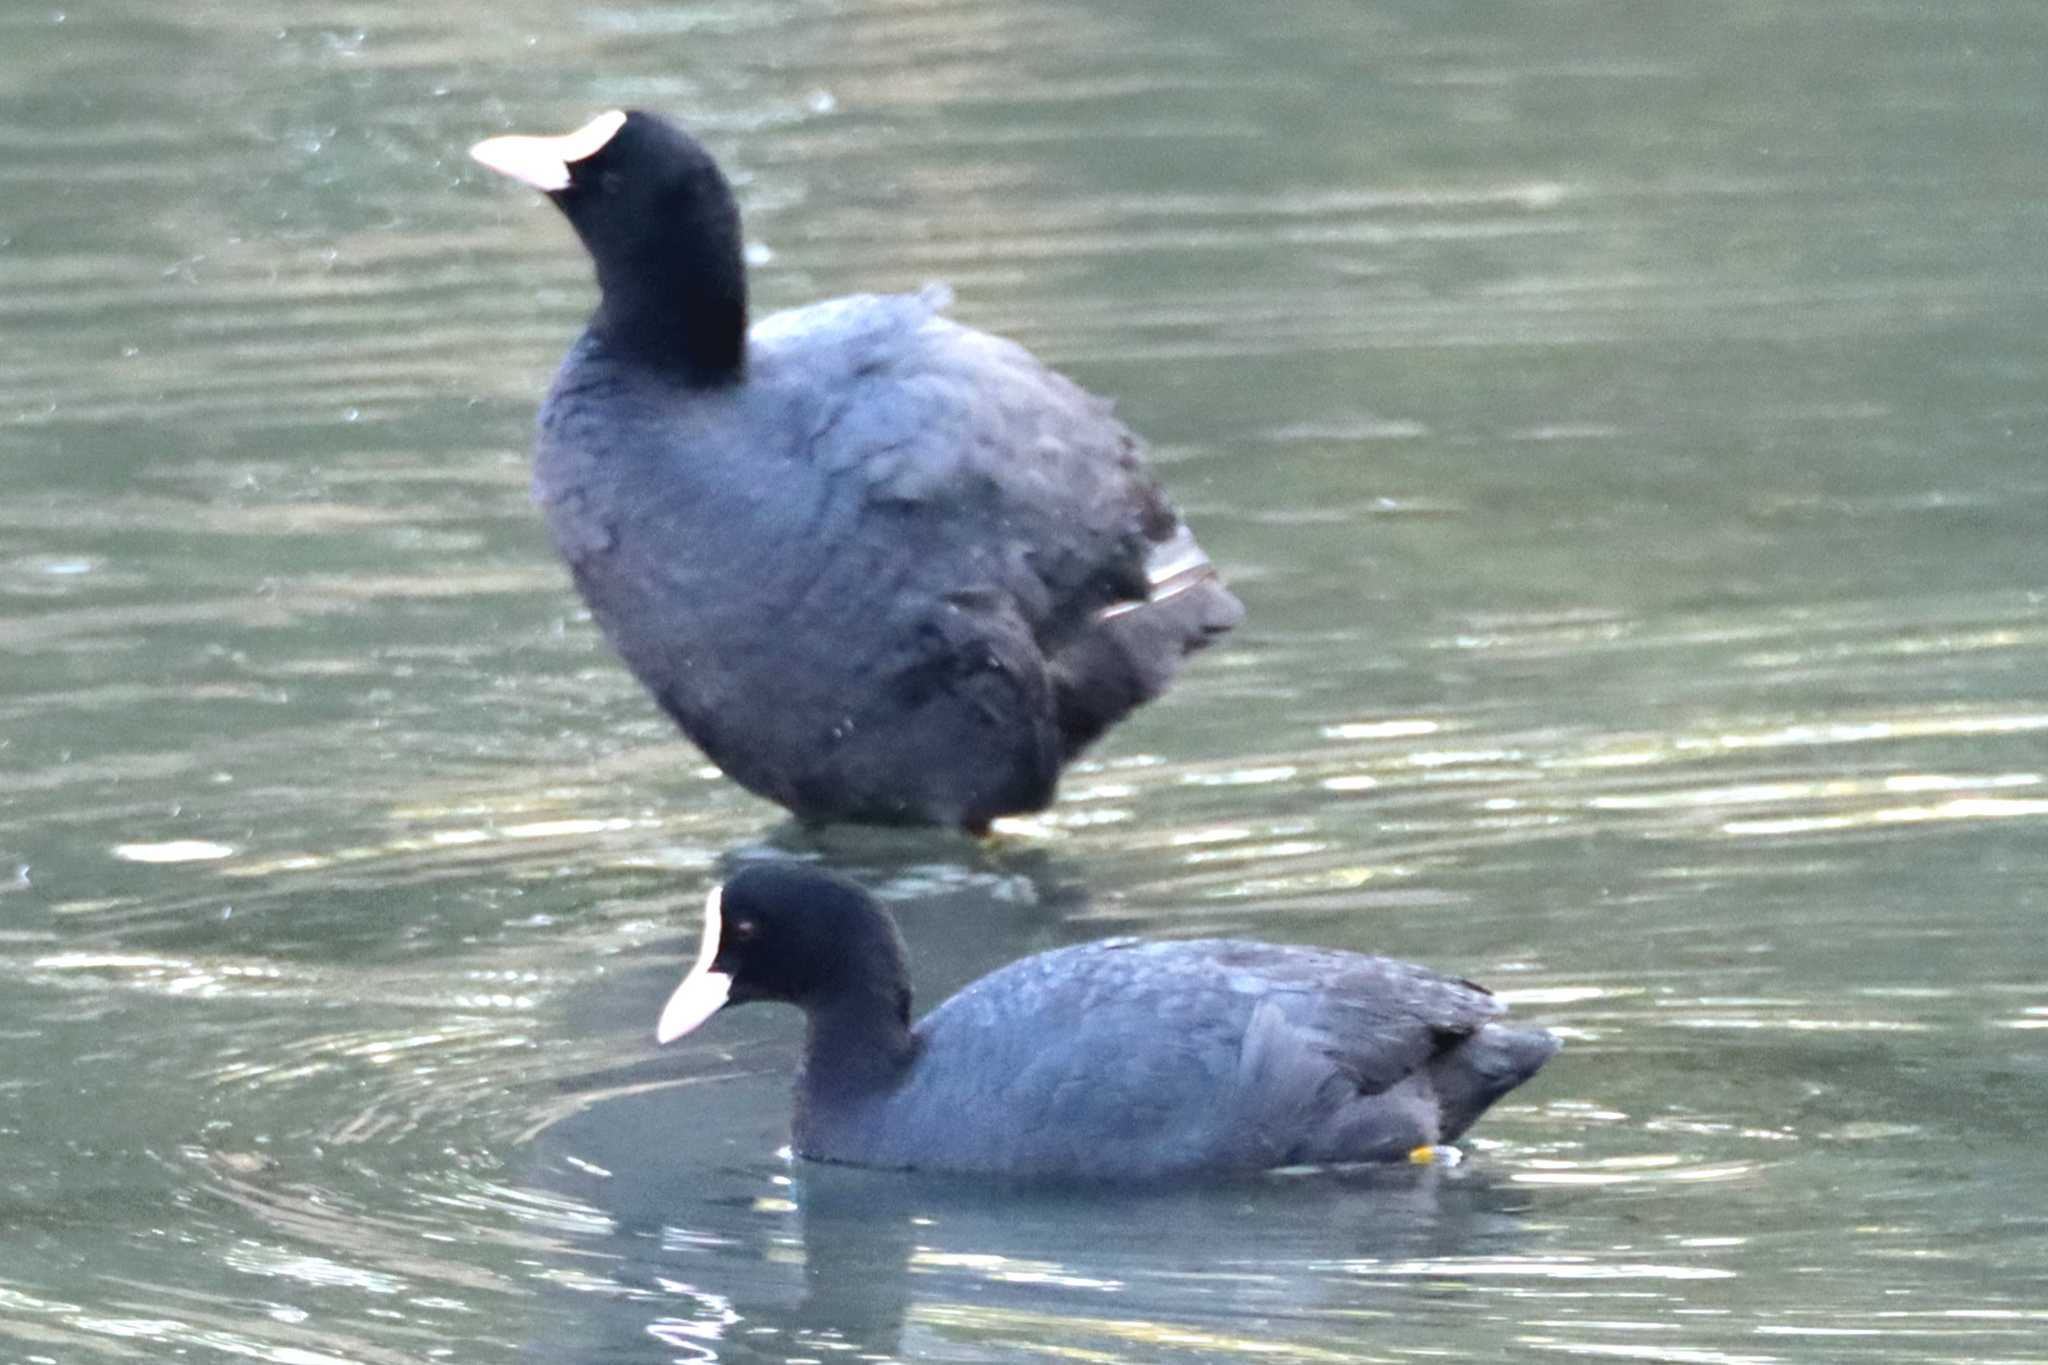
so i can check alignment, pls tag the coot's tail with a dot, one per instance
(1471, 1076)
(1133, 650)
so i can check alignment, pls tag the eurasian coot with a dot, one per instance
(879, 566)
(1114, 1060)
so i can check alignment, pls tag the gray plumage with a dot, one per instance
(1113, 1060)
(878, 565)
(1142, 1060)
(871, 582)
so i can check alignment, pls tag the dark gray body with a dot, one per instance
(878, 578)
(1125, 1060)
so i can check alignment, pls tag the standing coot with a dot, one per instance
(879, 566)
(1121, 1059)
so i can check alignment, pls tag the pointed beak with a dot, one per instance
(703, 992)
(544, 162)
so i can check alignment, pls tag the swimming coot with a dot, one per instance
(1121, 1059)
(879, 566)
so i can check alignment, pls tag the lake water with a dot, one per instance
(1624, 424)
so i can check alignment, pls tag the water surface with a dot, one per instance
(1624, 426)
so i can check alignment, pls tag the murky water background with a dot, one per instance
(1624, 423)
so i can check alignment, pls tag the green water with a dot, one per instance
(1624, 424)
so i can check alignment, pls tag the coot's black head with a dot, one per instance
(660, 222)
(782, 931)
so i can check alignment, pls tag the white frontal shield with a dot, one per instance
(703, 992)
(544, 162)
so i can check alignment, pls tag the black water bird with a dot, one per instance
(1122, 1059)
(877, 565)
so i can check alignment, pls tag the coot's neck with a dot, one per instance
(858, 1042)
(677, 300)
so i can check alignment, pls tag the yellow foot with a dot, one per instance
(1430, 1154)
